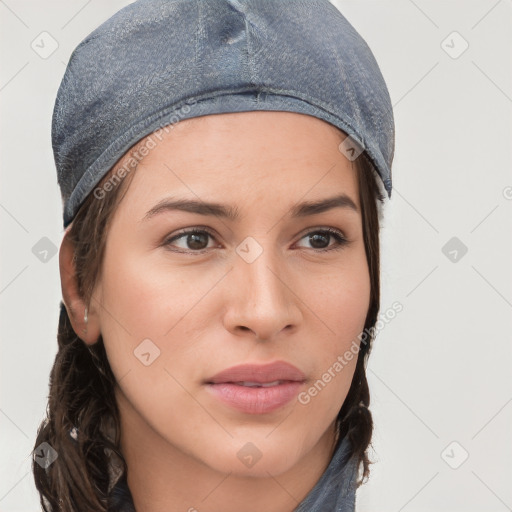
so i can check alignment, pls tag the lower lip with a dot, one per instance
(252, 400)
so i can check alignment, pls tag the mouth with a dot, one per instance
(259, 384)
(257, 389)
(259, 374)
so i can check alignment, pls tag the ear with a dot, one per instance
(88, 331)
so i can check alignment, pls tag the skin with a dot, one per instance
(210, 309)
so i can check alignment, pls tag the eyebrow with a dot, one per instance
(232, 213)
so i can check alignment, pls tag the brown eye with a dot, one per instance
(194, 240)
(320, 239)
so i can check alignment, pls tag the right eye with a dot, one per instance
(194, 240)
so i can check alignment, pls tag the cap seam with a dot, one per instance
(162, 113)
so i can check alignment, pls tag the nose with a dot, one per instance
(261, 299)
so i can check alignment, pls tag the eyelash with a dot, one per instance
(341, 241)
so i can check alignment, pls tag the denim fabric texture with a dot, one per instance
(336, 489)
(156, 62)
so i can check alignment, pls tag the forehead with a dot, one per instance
(245, 158)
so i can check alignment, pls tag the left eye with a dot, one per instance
(197, 239)
(322, 235)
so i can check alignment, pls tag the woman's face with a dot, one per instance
(262, 281)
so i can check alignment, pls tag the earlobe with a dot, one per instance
(83, 316)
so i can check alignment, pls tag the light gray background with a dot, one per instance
(440, 371)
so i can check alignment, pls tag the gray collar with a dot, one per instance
(336, 489)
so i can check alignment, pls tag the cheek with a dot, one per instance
(147, 299)
(153, 301)
(144, 326)
(340, 302)
(341, 299)
(136, 309)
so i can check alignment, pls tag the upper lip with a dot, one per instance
(260, 373)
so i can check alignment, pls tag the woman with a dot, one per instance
(222, 166)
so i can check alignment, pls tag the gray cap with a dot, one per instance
(156, 62)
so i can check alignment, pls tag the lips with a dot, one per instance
(259, 374)
(257, 389)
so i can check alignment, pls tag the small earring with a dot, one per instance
(73, 432)
(85, 320)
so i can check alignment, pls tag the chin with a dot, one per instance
(274, 465)
(257, 458)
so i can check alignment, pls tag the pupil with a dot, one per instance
(314, 238)
(194, 240)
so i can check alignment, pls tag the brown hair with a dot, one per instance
(82, 384)
(355, 419)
